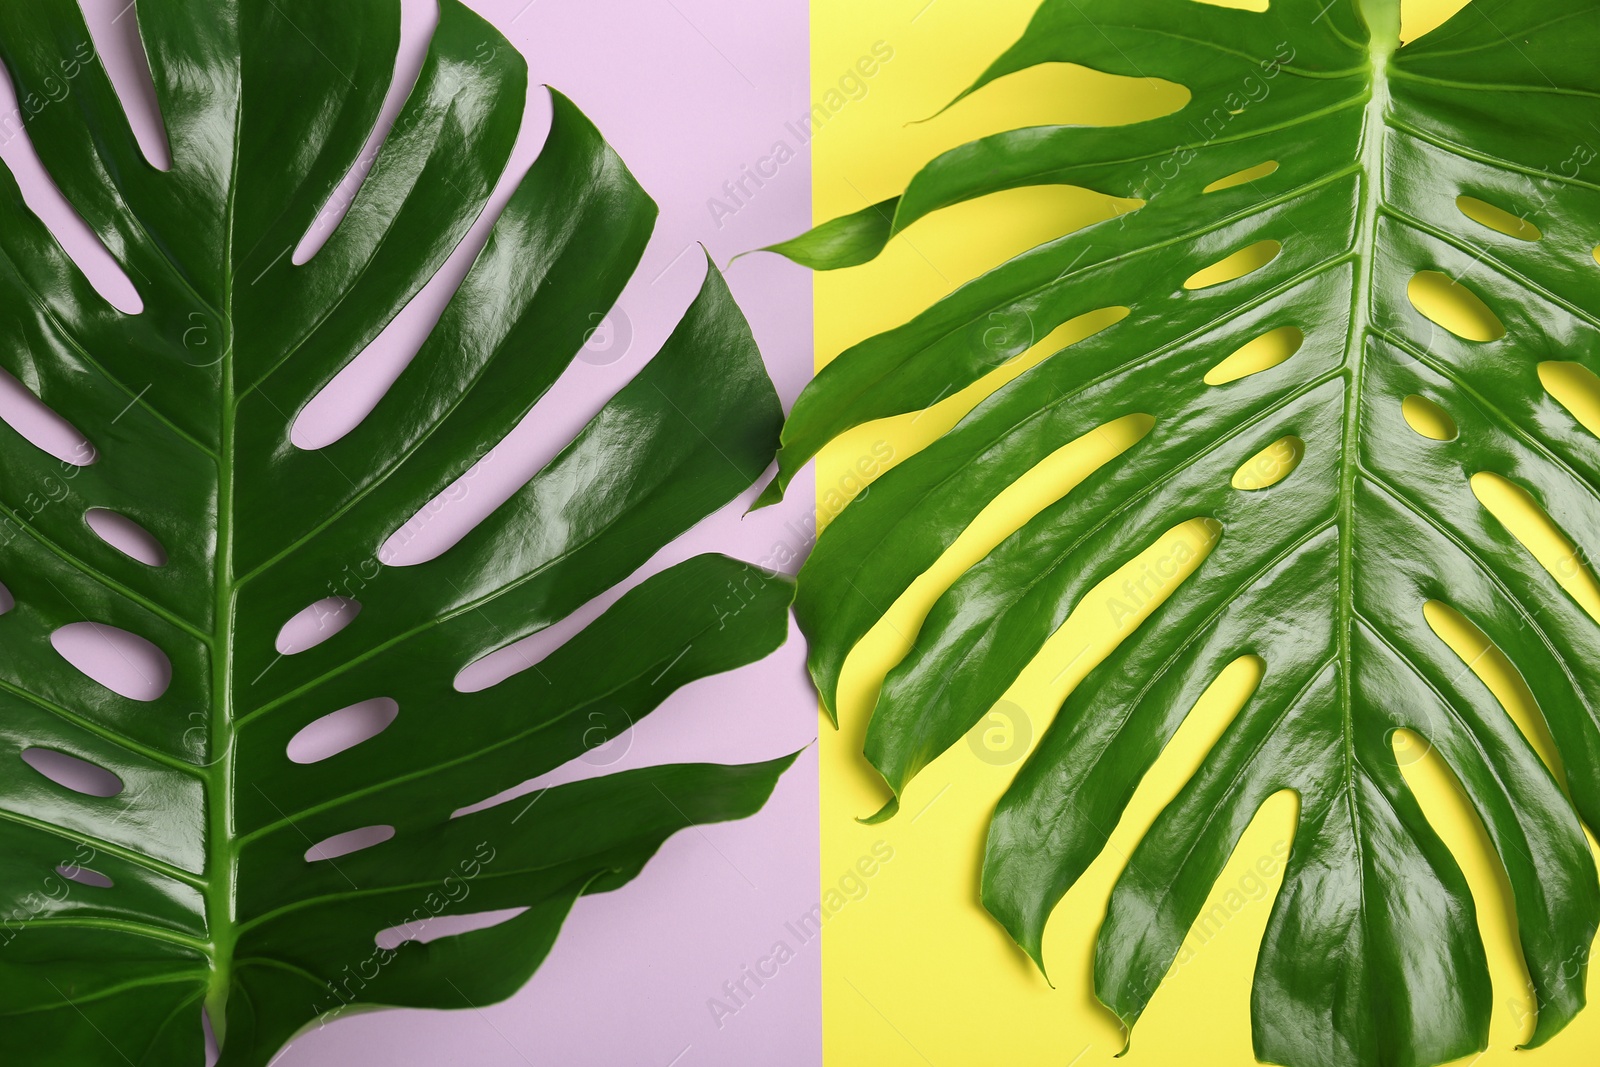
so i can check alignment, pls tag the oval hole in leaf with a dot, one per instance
(1264, 353)
(1238, 265)
(124, 663)
(425, 928)
(1499, 675)
(7, 601)
(1451, 305)
(1576, 388)
(1428, 419)
(70, 772)
(1497, 219)
(315, 623)
(84, 876)
(126, 536)
(40, 426)
(1409, 747)
(1271, 465)
(344, 729)
(350, 841)
(1243, 177)
(1522, 516)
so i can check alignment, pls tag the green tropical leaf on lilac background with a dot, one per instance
(188, 881)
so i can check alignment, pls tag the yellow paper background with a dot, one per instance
(914, 971)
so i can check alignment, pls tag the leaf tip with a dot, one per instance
(883, 814)
(770, 495)
(1035, 951)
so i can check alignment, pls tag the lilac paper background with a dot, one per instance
(691, 93)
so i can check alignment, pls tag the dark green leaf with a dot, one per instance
(189, 405)
(1371, 954)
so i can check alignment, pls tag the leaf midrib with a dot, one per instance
(222, 858)
(1374, 135)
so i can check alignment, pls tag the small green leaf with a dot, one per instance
(847, 241)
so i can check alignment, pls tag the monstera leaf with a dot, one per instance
(189, 880)
(1364, 170)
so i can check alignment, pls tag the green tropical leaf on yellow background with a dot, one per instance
(1363, 463)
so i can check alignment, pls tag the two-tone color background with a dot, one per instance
(746, 121)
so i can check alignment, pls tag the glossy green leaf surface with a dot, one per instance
(1372, 953)
(212, 900)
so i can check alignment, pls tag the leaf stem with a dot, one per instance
(1373, 137)
(222, 859)
(222, 855)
